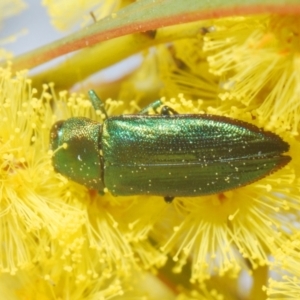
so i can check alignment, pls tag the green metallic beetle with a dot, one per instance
(167, 154)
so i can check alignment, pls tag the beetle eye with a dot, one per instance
(55, 133)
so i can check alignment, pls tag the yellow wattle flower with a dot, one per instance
(65, 14)
(247, 62)
(62, 241)
(260, 66)
(54, 231)
(286, 266)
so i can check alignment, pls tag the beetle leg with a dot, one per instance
(167, 111)
(152, 106)
(168, 199)
(97, 103)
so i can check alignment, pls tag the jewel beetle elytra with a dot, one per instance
(166, 154)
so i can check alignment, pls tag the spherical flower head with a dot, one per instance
(73, 241)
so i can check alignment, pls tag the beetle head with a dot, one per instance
(76, 143)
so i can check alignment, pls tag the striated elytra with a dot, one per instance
(167, 154)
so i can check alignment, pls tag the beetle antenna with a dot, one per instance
(97, 103)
